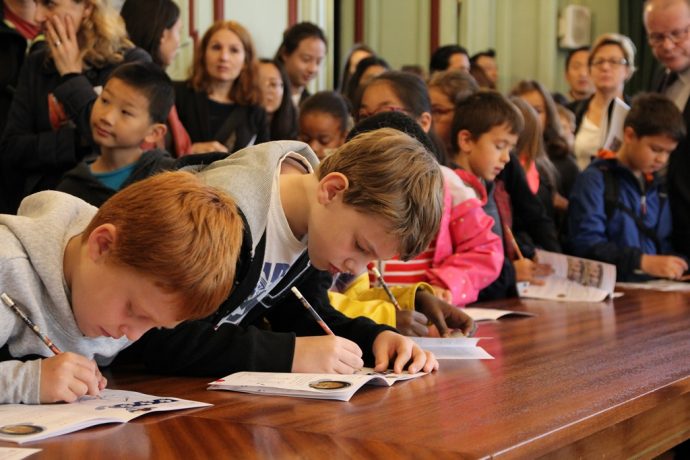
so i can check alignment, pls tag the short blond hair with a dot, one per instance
(393, 177)
(183, 235)
(621, 41)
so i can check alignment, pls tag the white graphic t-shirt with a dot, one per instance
(282, 248)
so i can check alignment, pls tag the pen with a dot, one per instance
(509, 232)
(378, 275)
(13, 306)
(308, 306)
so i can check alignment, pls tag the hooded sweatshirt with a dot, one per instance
(32, 246)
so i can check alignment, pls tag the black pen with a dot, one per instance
(13, 306)
(308, 306)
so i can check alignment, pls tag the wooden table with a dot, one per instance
(577, 380)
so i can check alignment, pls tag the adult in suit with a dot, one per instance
(668, 30)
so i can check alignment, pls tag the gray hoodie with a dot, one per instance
(32, 246)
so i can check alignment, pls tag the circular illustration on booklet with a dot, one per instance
(329, 384)
(21, 429)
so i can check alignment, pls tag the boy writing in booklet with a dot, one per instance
(130, 111)
(619, 212)
(464, 256)
(94, 280)
(376, 196)
(485, 130)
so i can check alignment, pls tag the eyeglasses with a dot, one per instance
(363, 113)
(676, 36)
(612, 62)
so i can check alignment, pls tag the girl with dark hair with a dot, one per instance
(366, 69)
(275, 99)
(358, 52)
(302, 50)
(557, 149)
(323, 120)
(219, 104)
(396, 91)
(154, 26)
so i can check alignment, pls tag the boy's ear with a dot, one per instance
(629, 135)
(101, 241)
(331, 186)
(465, 141)
(156, 133)
(424, 121)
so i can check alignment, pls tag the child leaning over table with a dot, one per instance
(130, 111)
(307, 222)
(619, 212)
(94, 280)
(464, 256)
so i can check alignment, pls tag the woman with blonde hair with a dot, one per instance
(611, 64)
(48, 128)
(220, 103)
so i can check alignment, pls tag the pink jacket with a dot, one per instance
(468, 256)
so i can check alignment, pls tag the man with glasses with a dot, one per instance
(668, 25)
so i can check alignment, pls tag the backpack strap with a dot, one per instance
(612, 203)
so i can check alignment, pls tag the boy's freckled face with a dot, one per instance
(342, 239)
(112, 301)
(489, 154)
(321, 131)
(648, 154)
(120, 116)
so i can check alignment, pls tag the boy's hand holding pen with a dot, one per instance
(64, 376)
(526, 270)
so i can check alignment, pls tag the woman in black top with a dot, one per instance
(219, 104)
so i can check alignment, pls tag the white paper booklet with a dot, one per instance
(612, 128)
(22, 423)
(573, 279)
(453, 348)
(16, 453)
(316, 386)
(658, 285)
(492, 314)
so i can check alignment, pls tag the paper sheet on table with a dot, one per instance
(16, 453)
(453, 348)
(658, 285)
(573, 279)
(492, 314)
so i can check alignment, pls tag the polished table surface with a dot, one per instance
(607, 379)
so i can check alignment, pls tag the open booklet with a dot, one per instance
(339, 387)
(612, 125)
(22, 423)
(573, 279)
(453, 348)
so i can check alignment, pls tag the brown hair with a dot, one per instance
(653, 114)
(455, 84)
(392, 176)
(554, 141)
(102, 36)
(244, 90)
(479, 113)
(180, 233)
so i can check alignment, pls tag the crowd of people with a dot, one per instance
(439, 181)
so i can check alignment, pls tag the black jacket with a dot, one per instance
(678, 180)
(80, 182)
